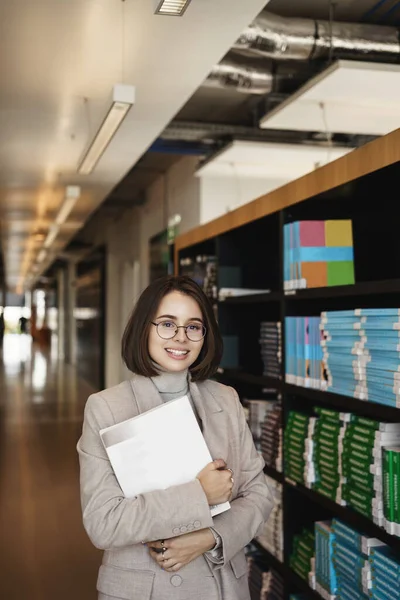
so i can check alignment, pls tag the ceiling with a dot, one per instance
(59, 63)
(384, 12)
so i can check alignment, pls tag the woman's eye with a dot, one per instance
(167, 324)
(194, 327)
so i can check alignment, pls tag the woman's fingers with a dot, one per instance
(159, 557)
(158, 545)
(171, 566)
(164, 562)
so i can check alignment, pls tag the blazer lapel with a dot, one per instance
(145, 393)
(212, 417)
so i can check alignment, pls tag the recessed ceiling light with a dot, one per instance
(172, 8)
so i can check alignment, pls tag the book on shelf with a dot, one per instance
(349, 459)
(302, 557)
(271, 537)
(270, 341)
(318, 254)
(355, 353)
(343, 562)
(351, 560)
(391, 488)
(138, 464)
(271, 437)
(265, 583)
(303, 352)
(361, 352)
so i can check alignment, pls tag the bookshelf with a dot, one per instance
(248, 244)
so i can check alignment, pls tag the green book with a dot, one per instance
(340, 273)
(391, 461)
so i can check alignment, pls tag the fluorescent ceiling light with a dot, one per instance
(172, 8)
(51, 236)
(71, 196)
(42, 255)
(72, 193)
(349, 97)
(123, 97)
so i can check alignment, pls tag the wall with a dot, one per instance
(221, 194)
(127, 250)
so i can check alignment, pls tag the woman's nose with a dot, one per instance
(180, 334)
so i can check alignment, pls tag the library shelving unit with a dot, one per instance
(247, 245)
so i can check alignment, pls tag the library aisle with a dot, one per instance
(44, 551)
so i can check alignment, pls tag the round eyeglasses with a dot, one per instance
(195, 332)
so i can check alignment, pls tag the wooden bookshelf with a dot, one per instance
(360, 186)
(376, 155)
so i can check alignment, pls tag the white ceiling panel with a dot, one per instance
(348, 97)
(284, 162)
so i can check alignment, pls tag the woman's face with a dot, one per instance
(178, 353)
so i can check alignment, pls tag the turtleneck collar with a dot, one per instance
(171, 385)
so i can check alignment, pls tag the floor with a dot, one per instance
(44, 551)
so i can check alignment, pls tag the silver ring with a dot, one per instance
(233, 481)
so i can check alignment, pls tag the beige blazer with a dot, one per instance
(118, 525)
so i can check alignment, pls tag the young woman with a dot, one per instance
(165, 545)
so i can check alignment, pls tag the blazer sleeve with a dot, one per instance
(113, 521)
(253, 503)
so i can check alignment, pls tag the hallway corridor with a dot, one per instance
(45, 553)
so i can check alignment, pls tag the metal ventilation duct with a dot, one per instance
(304, 39)
(243, 75)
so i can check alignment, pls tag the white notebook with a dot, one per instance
(158, 449)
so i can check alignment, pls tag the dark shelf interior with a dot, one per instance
(345, 403)
(274, 474)
(366, 288)
(241, 376)
(270, 559)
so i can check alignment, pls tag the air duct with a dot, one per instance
(282, 38)
(245, 75)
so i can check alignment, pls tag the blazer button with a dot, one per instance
(197, 524)
(183, 529)
(176, 580)
(176, 531)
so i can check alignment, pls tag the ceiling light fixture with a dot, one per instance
(172, 8)
(51, 236)
(123, 97)
(72, 193)
(42, 255)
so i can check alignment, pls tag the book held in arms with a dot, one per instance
(318, 254)
(158, 449)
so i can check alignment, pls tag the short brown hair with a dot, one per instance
(135, 352)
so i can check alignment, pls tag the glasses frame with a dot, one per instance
(185, 327)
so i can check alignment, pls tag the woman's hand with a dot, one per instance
(181, 550)
(216, 481)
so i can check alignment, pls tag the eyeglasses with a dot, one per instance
(195, 332)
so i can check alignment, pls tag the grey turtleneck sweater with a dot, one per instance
(171, 386)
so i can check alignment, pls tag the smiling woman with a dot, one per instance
(165, 539)
(172, 326)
